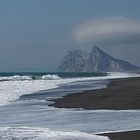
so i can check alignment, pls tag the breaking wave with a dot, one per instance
(13, 87)
(50, 77)
(26, 77)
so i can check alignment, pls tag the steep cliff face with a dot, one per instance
(99, 61)
(74, 61)
(96, 61)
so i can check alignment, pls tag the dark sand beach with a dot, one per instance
(121, 94)
(129, 135)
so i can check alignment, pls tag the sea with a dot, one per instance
(25, 114)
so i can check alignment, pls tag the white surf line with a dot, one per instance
(117, 131)
(12, 90)
(97, 110)
(36, 133)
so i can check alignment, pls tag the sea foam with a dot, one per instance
(50, 77)
(14, 88)
(28, 133)
(27, 77)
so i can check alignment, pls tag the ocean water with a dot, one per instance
(25, 114)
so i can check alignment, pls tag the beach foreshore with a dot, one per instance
(128, 135)
(121, 94)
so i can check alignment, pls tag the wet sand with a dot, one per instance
(129, 135)
(121, 94)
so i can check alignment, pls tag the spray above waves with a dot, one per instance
(26, 77)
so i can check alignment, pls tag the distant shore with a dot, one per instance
(121, 94)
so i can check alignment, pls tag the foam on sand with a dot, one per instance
(28, 133)
(15, 87)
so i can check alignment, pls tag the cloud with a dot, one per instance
(110, 30)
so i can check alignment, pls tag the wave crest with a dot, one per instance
(50, 77)
(26, 77)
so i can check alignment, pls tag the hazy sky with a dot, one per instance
(35, 34)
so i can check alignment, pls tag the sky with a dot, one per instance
(36, 34)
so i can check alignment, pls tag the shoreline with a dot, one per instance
(121, 94)
(125, 135)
